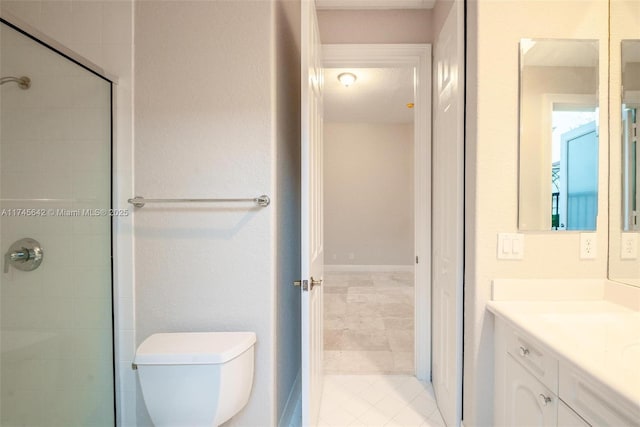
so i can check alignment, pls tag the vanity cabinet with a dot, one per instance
(534, 386)
(529, 402)
(568, 418)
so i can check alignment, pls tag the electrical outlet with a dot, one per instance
(588, 247)
(629, 246)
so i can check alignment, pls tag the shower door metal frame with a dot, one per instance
(51, 44)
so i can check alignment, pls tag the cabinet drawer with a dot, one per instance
(534, 357)
(594, 404)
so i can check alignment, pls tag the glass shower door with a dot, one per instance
(56, 316)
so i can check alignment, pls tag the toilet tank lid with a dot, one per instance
(193, 348)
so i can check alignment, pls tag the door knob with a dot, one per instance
(315, 282)
(305, 283)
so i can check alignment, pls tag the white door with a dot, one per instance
(312, 203)
(448, 198)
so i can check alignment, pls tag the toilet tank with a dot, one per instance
(195, 378)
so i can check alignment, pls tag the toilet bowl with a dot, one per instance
(195, 379)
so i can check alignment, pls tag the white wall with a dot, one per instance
(375, 26)
(101, 32)
(368, 193)
(216, 116)
(494, 29)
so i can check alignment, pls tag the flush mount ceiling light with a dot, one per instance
(347, 79)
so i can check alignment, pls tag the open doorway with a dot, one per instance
(369, 221)
(377, 277)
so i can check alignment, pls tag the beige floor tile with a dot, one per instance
(369, 313)
(362, 297)
(333, 339)
(363, 309)
(335, 304)
(363, 340)
(334, 322)
(402, 323)
(396, 310)
(399, 340)
(363, 323)
(403, 361)
(331, 360)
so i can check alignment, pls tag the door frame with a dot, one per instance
(419, 57)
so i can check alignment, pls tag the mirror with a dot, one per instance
(624, 106)
(558, 173)
(630, 154)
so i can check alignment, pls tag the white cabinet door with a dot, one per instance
(568, 418)
(528, 402)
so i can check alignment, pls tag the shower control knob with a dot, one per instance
(25, 254)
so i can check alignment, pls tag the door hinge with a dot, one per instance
(416, 259)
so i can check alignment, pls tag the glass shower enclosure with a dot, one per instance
(56, 303)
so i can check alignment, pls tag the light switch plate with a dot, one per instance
(510, 246)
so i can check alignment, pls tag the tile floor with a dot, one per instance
(378, 400)
(368, 322)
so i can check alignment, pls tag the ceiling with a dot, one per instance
(375, 4)
(379, 95)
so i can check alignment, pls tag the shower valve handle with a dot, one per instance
(25, 254)
(11, 257)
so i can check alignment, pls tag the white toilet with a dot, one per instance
(195, 379)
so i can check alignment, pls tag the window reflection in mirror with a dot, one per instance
(558, 176)
(630, 153)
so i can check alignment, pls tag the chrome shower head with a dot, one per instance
(23, 82)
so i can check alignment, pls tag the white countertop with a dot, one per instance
(600, 338)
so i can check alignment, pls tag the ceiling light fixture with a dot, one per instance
(347, 79)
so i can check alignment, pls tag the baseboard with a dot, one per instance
(364, 268)
(292, 414)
